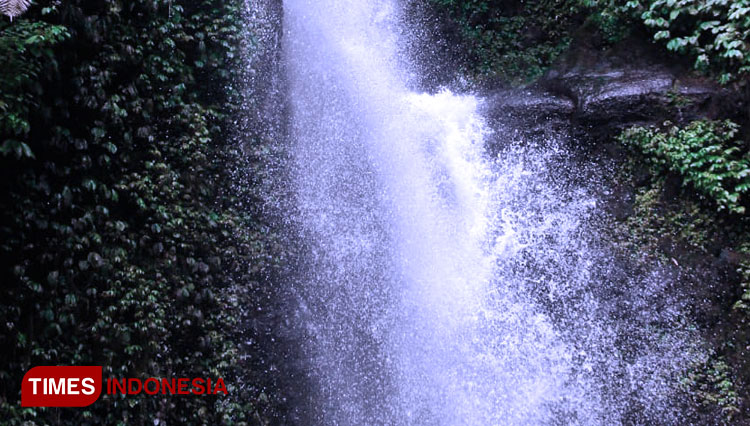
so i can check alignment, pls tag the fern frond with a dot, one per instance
(14, 8)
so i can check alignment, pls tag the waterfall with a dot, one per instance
(439, 284)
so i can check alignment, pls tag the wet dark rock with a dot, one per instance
(732, 257)
(641, 174)
(530, 114)
(622, 203)
(597, 93)
(529, 104)
(672, 188)
(617, 98)
(634, 82)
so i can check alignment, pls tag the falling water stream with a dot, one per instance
(442, 285)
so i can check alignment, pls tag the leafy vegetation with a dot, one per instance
(516, 41)
(26, 47)
(672, 227)
(743, 305)
(652, 220)
(713, 385)
(705, 153)
(714, 33)
(512, 41)
(122, 242)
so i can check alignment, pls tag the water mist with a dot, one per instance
(440, 285)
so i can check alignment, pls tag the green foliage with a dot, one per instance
(652, 221)
(671, 226)
(705, 153)
(713, 385)
(512, 41)
(516, 41)
(610, 24)
(674, 228)
(743, 270)
(122, 243)
(714, 33)
(26, 49)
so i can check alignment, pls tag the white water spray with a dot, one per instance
(440, 286)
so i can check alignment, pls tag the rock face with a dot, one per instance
(591, 95)
(598, 92)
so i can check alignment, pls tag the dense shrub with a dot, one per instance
(512, 41)
(516, 41)
(121, 241)
(714, 33)
(707, 156)
(671, 226)
(705, 153)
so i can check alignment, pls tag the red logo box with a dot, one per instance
(61, 386)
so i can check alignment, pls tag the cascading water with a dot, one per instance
(439, 285)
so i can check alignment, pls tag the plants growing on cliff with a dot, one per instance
(26, 49)
(673, 227)
(705, 153)
(713, 385)
(121, 243)
(516, 41)
(744, 272)
(512, 41)
(714, 33)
